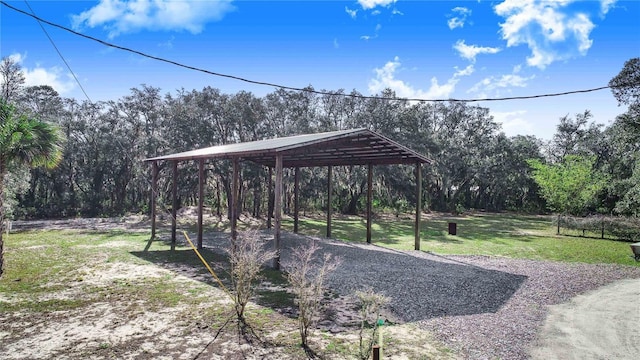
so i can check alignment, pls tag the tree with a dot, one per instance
(24, 140)
(624, 139)
(570, 186)
(11, 79)
(626, 85)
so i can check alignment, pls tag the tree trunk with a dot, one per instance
(2, 174)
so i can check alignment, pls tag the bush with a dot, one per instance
(370, 304)
(307, 278)
(247, 256)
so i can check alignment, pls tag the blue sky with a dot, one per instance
(421, 49)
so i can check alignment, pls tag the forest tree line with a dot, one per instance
(475, 165)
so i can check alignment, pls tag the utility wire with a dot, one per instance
(118, 141)
(255, 82)
(58, 51)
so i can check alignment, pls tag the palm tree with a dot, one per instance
(24, 140)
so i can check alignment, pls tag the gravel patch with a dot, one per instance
(485, 307)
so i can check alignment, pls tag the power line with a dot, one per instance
(262, 83)
(59, 53)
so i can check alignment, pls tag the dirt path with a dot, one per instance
(601, 324)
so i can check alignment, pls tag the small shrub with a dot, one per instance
(307, 278)
(370, 304)
(247, 256)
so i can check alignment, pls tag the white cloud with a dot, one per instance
(465, 72)
(370, 4)
(386, 78)
(470, 52)
(352, 13)
(514, 123)
(17, 58)
(336, 45)
(61, 82)
(550, 29)
(127, 16)
(396, 12)
(375, 35)
(493, 84)
(458, 18)
(606, 5)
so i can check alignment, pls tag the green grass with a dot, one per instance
(511, 235)
(42, 266)
(55, 271)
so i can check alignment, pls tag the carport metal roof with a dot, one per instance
(344, 147)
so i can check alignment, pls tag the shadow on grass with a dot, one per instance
(184, 261)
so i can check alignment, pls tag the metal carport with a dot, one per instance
(336, 148)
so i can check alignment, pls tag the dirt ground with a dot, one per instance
(602, 324)
(118, 325)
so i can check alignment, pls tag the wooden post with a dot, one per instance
(418, 205)
(376, 352)
(234, 200)
(296, 199)
(329, 207)
(154, 194)
(200, 200)
(369, 200)
(277, 208)
(174, 203)
(269, 194)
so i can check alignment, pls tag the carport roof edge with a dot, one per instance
(343, 147)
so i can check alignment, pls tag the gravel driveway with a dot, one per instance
(485, 307)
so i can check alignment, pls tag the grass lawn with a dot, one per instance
(511, 235)
(112, 294)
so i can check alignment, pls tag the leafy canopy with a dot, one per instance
(570, 186)
(26, 140)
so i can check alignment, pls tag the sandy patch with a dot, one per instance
(601, 324)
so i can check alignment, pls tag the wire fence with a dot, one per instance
(602, 226)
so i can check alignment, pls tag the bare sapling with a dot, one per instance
(307, 276)
(247, 256)
(370, 304)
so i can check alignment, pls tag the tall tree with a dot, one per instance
(11, 79)
(24, 140)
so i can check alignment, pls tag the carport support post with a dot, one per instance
(329, 205)
(418, 204)
(174, 202)
(269, 194)
(369, 200)
(277, 208)
(296, 199)
(234, 201)
(154, 192)
(200, 200)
